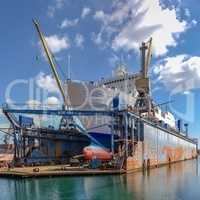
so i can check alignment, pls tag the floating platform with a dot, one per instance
(66, 171)
(55, 171)
(141, 143)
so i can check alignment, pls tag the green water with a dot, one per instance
(180, 181)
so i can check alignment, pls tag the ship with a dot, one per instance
(138, 134)
(159, 138)
(99, 95)
(142, 134)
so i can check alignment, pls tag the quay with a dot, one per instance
(55, 171)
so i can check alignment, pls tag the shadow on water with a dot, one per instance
(179, 181)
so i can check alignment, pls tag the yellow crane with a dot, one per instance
(51, 62)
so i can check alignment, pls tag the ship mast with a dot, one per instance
(51, 62)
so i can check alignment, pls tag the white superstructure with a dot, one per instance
(99, 95)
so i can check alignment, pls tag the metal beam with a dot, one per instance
(60, 112)
(126, 133)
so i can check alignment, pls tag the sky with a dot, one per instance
(97, 35)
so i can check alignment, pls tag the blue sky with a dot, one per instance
(97, 34)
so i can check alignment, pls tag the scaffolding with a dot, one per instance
(122, 124)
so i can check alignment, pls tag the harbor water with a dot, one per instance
(180, 181)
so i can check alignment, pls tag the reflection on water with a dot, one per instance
(178, 182)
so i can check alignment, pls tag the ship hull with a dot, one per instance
(160, 146)
(153, 145)
(54, 145)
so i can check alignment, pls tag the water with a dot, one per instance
(179, 182)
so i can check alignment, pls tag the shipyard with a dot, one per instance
(137, 135)
(127, 126)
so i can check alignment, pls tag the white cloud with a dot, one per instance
(181, 71)
(85, 12)
(187, 12)
(114, 60)
(57, 44)
(100, 15)
(46, 82)
(52, 101)
(69, 23)
(57, 5)
(50, 11)
(97, 38)
(194, 22)
(186, 92)
(79, 40)
(33, 103)
(134, 21)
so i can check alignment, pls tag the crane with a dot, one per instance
(66, 122)
(145, 58)
(51, 62)
(142, 82)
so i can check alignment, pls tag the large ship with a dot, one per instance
(137, 131)
(141, 133)
(99, 95)
(159, 138)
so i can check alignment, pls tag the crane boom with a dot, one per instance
(143, 49)
(51, 61)
(148, 59)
